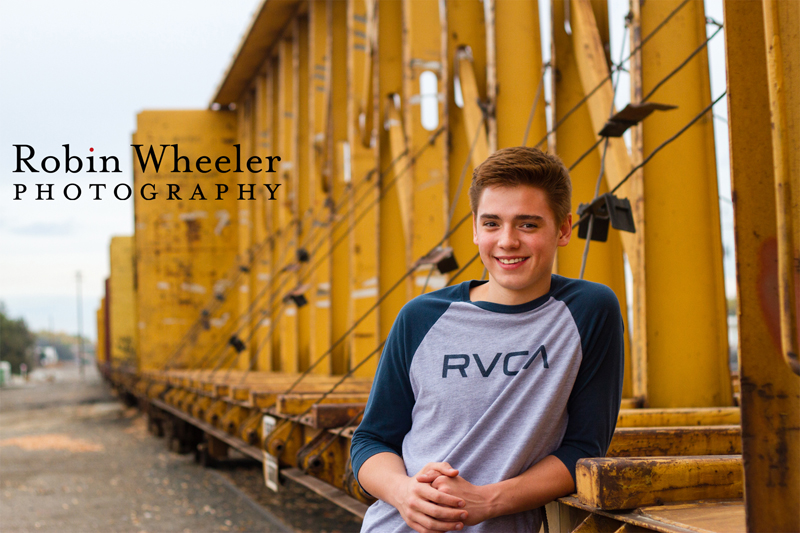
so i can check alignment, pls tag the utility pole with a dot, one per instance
(80, 326)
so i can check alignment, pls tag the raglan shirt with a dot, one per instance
(493, 389)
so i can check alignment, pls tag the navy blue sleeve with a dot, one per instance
(594, 402)
(387, 417)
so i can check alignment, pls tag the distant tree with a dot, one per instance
(16, 341)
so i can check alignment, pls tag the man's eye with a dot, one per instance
(529, 226)
(489, 224)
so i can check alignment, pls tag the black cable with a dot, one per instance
(350, 372)
(262, 293)
(615, 86)
(665, 143)
(535, 104)
(431, 140)
(683, 64)
(610, 74)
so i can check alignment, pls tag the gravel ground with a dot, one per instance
(72, 458)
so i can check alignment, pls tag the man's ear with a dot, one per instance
(474, 229)
(565, 231)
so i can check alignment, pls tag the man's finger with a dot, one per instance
(433, 470)
(437, 523)
(441, 499)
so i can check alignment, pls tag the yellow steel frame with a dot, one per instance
(572, 138)
(770, 392)
(362, 242)
(334, 89)
(687, 348)
(394, 238)
(423, 51)
(319, 313)
(123, 328)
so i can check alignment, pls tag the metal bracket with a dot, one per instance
(630, 116)
(443, 258)
(605, 208)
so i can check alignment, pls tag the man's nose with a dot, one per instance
(508, 238)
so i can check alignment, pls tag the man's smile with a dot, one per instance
(511, 261)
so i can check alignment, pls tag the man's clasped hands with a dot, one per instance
(438, 499)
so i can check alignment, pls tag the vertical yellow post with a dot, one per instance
(102, 354)
(274, 304)
(262, 226)
(246, 209)
(303, 179)
(123, 304)
(319, 302)
(572, 138)
(465, 22)
(770, 391)
(363, 243)
(392, 242)
(423, 114)
(518, 67)
(782, 32)
(687, 355)
(636, 372)
(287, 142)
(340, 258)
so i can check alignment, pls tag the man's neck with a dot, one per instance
(494, 293)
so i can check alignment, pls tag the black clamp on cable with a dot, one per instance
(630, 116)
(604, 209)
(443, 258)
(219, 296)
(302, 255)
(297, 296)
(244, 269)
(237, 344)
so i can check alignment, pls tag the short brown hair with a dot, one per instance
(521, 165)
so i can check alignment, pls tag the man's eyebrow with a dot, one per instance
(490, 216)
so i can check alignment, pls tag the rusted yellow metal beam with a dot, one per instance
(319, 302)
(363, 240)
(666, 441)
(124, 327)
(425, 75)
(261, 275)
(393, 236)
(246, 211)
(466, 52)
(626, 483)
(687, 359)
(518, 66)
(340, 258)
(304, 190)
(770, 393)
(287, 211)
(676, 416)
(588, 55)
(297, 404)
(101, 354)
(781, 27)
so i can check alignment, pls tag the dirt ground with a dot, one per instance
(74, 459)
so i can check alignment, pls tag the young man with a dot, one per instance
(510, 381)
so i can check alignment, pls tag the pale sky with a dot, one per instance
(78, 72)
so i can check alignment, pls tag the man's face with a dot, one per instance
(517, 236)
